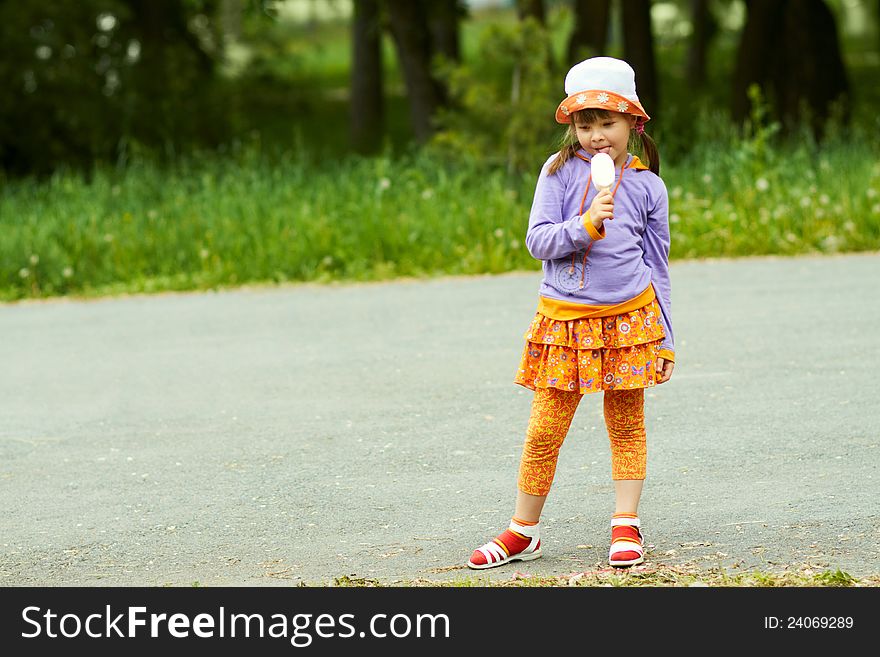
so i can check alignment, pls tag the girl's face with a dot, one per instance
(603, 131)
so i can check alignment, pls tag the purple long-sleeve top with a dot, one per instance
(633, 255)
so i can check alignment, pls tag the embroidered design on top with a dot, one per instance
(569, 275)
(602, 97)
(622, 106)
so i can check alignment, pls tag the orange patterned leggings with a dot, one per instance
(552, 412)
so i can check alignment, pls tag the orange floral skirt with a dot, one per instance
(593, 354)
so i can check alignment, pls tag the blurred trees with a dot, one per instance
(87, 81)
(423, 32)
(705, 27)
(367, 116)
(790, 48)
(408, 22)
(590, 33)
(638, 49)
(91, 80)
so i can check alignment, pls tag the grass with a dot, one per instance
(288, 203)
(246, 216)
(638, 576)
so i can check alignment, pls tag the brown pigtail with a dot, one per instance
(649, 148)
(565, 154)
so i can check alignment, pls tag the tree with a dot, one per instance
(172, 74)
(638, 49)
(531, 9)
(96, 80)
(790, 49)
(408, 23)
(444, 17)
(367, 107)
(705, 28)
(589, 37)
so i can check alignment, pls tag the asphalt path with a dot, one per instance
(281, 435)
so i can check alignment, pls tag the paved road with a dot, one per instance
(272, 436)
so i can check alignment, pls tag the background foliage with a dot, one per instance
(173, 145)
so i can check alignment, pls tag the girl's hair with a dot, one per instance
(569, 143)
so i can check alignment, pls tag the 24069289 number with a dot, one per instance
(809, 622)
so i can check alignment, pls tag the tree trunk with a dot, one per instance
(778, 51)
(638, 50)
(444, 17)
(705, 28)
(161, 23)
(166, 114)
(409, 28)
(756, 44)
(531, 9)
(589, 37)
(367, 108)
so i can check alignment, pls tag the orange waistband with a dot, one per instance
(566, 310)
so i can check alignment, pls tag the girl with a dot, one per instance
(603, 319)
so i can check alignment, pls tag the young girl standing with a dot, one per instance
(604, 313)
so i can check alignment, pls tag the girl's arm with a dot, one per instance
(656, 241)
(550, 235)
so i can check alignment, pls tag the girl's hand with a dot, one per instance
(602, 208)
(664, 370)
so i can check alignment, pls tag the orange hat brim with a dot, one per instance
(599, 99)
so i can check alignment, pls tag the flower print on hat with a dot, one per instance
(601, 83)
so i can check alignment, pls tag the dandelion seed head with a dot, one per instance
(831, 243)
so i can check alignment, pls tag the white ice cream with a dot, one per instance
(603, 170)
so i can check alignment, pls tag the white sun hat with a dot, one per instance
(601, 83)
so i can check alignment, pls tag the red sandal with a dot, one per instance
(627, 543)
(497, 552)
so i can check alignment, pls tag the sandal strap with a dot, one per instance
(625, 522)
(492, 551)
(626, 540)
(625, 546)
(529, 531)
